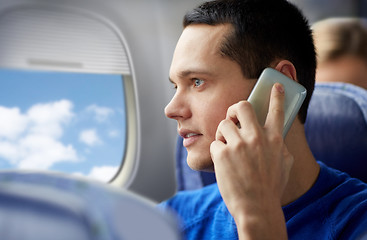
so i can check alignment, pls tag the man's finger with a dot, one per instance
(275, 118)
(226, 131)
(243, 114)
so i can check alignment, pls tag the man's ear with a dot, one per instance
(288, 69)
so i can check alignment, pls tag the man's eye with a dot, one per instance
(198, 82)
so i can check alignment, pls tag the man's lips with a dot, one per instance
(187, 133)
(189, 137)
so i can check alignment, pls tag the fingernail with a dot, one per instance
(279, 87)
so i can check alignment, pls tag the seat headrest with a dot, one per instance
(336, 127)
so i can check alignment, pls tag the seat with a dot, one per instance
(336, 127)
(37, 205)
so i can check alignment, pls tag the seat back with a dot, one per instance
(336, 127)
(42, 205)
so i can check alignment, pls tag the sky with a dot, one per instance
(68, 122)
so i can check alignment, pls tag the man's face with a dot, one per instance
(207, 83)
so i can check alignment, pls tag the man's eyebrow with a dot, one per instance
(185, 73)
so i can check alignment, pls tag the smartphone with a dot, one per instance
(259, 98)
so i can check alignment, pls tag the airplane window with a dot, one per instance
(59, 121)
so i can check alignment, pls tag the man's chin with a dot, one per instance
(200, 164)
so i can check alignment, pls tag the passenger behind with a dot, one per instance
(341, 45)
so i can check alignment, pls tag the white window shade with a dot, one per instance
(60, 39)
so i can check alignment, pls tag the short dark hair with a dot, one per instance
(264, 31)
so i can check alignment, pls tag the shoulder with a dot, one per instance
(195, 203)
(203, 214)
(195, 206)
(337, 204)
(341, 187)
(348, 208)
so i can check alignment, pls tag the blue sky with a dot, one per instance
(68, 122)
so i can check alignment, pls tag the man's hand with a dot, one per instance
(252, 166)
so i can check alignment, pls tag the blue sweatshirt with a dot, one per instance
(334, 208)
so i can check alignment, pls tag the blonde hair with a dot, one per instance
(337, 37)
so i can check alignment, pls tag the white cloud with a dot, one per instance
(48, 118)
(113, 133)
(9, 151)
(89, 137)
(79, 174)
(12, 123)
(103, 173)
(41, 152)
(101, 114)
(32, 140)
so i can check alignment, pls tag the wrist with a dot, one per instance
(261, 223)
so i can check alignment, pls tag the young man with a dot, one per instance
(267, 187)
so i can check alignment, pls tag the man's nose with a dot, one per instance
(178, 107)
